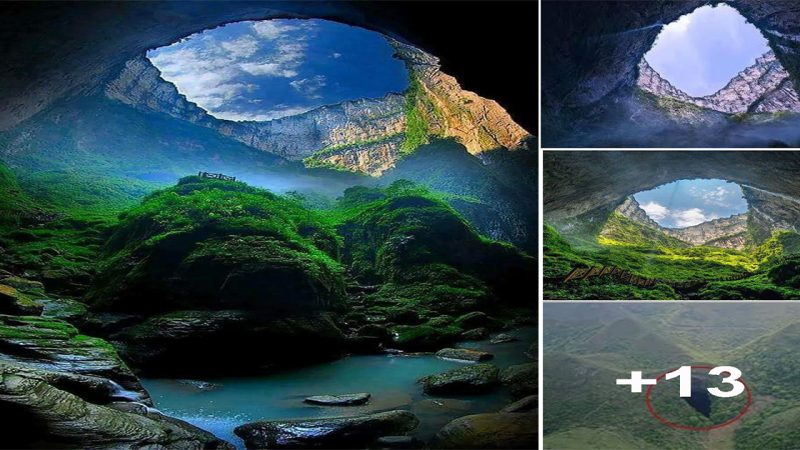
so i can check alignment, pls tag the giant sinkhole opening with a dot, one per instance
(686, 203)
(263, 70)
(702, 51)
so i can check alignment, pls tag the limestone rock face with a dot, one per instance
(728, 232)
(764, 87)
(46, 416)
(139, 84)
(631, 209)
(362, 135)
(478, 123)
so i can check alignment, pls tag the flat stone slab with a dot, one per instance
(503, 338)
(327, 432)
(464, 354)
(339, 400)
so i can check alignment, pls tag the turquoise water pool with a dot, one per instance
(225, 403)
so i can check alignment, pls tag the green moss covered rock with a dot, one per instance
(210, 244)
(13, 301)
(464, 380)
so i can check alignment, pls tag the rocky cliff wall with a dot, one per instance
(728, 232)
(764, 87)
(365, 135)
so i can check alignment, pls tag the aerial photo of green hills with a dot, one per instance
(590, 345)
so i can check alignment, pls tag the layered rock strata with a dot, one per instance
(764, 87)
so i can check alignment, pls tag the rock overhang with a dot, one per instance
(591, 53)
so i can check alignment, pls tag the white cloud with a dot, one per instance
(276, 113)
(310, 86)
(655, 211)
(336, 55)
(269, 29)
(242, 47)
(689, 217)
(273, 69)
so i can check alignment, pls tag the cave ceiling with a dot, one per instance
(67, 48)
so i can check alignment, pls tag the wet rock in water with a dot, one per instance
(464, 354)
(397, 442)
(54, 418)
(521, 379)
(477, 319)
(424, 337)
(475, 334)
(464, 380)
(339, 400)
(332, 432)
(55, 345)
(502, 338)
(71, 311)
(13, 301)
(525, 404)
(493, 430)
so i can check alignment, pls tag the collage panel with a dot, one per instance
(268, 224)
(671, 225)
(679, 375)
(677, 74)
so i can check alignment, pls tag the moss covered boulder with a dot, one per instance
(211, 244)
(493, 430)
(425, 255)
(464, 380)
(13, 301)
(425, 337)
(522, 379)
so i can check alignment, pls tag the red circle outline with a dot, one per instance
(666, 422)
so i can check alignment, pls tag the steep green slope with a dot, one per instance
(493, 197)
(649, 253)
(425, 252)
(209, 244)
(620, 230)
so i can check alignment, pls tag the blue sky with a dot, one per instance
(269, 69)
(700, 52)
(685, 203)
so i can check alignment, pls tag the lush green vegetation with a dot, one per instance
(417, 131)
(208, 241)
(760, 271)
(587, 347)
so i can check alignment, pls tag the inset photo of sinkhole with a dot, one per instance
(682, 74)
(671, 225)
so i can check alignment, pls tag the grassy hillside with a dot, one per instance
(586, 352)
(769, 269)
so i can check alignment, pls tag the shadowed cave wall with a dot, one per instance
(590, 53)
(577, 183)
(61, 49)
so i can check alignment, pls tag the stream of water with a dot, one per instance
(219, 405)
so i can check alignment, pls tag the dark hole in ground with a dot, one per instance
(700, 399)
